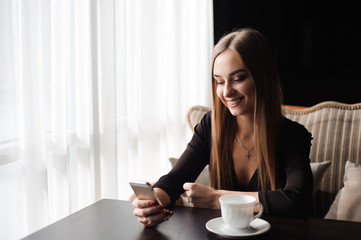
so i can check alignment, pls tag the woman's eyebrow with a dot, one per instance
(232, 73)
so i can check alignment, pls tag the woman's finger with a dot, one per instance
(141, 212)
(142, 203)
(152, 220)
(188, 186)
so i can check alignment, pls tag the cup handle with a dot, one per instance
(259, 214)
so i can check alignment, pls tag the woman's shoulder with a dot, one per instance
(294, 130)
(202, 132)
(204, 126)
(206, 120)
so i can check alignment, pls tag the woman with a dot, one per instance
(251, 148)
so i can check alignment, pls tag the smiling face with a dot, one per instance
(235, 87)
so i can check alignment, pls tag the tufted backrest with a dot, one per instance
(336, 132)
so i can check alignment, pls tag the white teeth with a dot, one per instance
(234, 102)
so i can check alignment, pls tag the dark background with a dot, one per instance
(317, 45)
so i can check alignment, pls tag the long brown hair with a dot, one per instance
(258, 58)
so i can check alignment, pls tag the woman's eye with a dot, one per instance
(219, 82)
(240, 78)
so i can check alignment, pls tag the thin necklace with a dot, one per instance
(248, 151)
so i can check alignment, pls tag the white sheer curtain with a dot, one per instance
(93, 93)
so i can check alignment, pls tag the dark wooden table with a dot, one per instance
(114, 219)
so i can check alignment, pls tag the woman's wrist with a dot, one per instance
(218, 194)
(162, 196)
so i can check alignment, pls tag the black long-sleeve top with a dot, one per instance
(293, 198)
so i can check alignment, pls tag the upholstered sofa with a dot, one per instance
(336, 132)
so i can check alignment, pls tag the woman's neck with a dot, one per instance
(245, 126)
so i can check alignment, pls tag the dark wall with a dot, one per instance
(317, 46)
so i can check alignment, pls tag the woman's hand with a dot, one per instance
(149, 212)
(201, 196)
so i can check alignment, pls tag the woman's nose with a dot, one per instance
(228, 89)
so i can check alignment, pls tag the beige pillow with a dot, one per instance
(318, 171)
(346, 205)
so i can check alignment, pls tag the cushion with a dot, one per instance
(347, 204)
(318, 171)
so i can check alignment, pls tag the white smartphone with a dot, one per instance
(143, 190)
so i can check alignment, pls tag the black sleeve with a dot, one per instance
(191, 162)
(294, 198)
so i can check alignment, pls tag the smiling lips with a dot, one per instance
(234, 102)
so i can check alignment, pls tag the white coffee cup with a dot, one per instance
(238, 210)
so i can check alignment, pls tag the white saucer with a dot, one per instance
(257, 226)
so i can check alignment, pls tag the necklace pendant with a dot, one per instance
(248, 155)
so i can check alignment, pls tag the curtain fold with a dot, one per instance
(93, 94)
